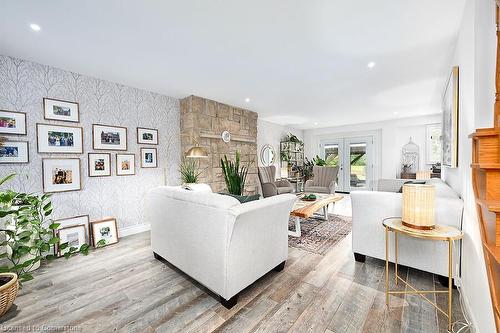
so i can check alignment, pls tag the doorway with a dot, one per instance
(354, 157)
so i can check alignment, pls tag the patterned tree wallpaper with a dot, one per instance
(23, 85)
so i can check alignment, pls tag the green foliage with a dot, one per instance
(28, 231)
(331, 160)
(189, 170)
(293, 138)
(234, 174)
(319, 161)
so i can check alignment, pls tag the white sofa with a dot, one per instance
(368, 234)
(224, 245)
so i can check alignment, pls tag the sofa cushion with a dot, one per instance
(443, 190)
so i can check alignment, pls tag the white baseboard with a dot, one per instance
(134, 229)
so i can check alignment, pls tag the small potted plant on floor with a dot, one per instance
(235, 176)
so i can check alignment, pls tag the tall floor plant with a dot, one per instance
(235, 175)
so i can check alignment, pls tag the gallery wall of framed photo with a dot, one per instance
(97, 146)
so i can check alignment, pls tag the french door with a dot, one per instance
(354, 157)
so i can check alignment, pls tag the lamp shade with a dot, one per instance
(418, 206)
(196, 152)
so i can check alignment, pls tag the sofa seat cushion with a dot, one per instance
(282, 190)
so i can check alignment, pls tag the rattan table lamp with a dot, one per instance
(418, 206)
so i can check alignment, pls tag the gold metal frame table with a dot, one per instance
(439, 233)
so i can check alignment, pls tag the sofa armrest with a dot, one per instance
(332, 186)
(390, 185)
(269, 190)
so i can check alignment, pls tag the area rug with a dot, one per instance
(319, 236)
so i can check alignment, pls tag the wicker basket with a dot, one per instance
(8, 293)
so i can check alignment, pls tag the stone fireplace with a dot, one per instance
(205, 120)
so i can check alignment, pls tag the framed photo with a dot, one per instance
(109, 137)
(99, 164)
(147, 136)
(14, 152)
(12, 122)
(59, 139)
(61, 174)
(55, 109)
(70, 222)
(125, 164)
(104, 229)
(75, 236)
(149, 158)
(450, 121)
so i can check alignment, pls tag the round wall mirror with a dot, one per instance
(267, 155)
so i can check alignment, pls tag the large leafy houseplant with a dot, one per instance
(189, 170)
(235, 175)
(27, 232)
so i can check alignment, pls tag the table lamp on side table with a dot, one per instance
(418, 206)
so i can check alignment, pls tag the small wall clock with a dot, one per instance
(226, 136)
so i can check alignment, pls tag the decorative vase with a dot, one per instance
(8, 292)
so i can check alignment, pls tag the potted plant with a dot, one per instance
(235, 177)
(190, 172)
(27, 235)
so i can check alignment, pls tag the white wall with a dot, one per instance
(271, 133)
(389, 138)
(475, 56)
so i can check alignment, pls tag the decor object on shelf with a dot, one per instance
(55, 109)
(189, 170)
(440, 233)
(267, 155)
(9, 286)
(61, 174)
(71, 222)
(105, 137)
(99, 164)
(147, 136)
(324, 180)
(12, 122)
(28, 232)
(125, 164)
(410, 157)
(450, 120)
(14, 152)
(269, 185)
(231, 245)
(292, 156)
(234, 175)
(104, 232)
(75, 236)
(149, 158)
(418, 206)
(59, 139)
(226, 136)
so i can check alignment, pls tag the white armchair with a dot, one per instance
(224, 245)
(324, 180)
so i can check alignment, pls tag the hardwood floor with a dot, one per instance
(123, 288)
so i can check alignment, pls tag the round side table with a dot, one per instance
(439, 233)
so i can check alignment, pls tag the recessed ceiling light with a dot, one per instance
(247, 100)
(396, 113)
(35, 27)
(316, 123)
(371, 64)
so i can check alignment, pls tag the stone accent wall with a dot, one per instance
(205, 120)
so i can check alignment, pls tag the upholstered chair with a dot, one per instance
(269, 185)
(324, 180)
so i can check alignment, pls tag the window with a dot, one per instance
(433, 146)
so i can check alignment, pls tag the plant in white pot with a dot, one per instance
(27, 235)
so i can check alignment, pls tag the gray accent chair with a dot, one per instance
(324, 180)
(269, 185)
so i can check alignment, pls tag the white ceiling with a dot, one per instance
(300, 62)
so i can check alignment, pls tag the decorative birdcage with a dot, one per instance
(410, 157)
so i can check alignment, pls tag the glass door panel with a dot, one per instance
(357, 158)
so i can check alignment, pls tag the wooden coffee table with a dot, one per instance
(305, 209)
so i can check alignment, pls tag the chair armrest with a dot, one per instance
(332, 186)
(283, 183)
(309, 182)
(269, 189)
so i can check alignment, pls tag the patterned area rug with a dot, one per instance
(319, 236)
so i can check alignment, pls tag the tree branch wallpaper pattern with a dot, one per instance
(24, 84)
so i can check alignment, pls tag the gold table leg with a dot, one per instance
(450, 277)
(396, 256)
(387, 266)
